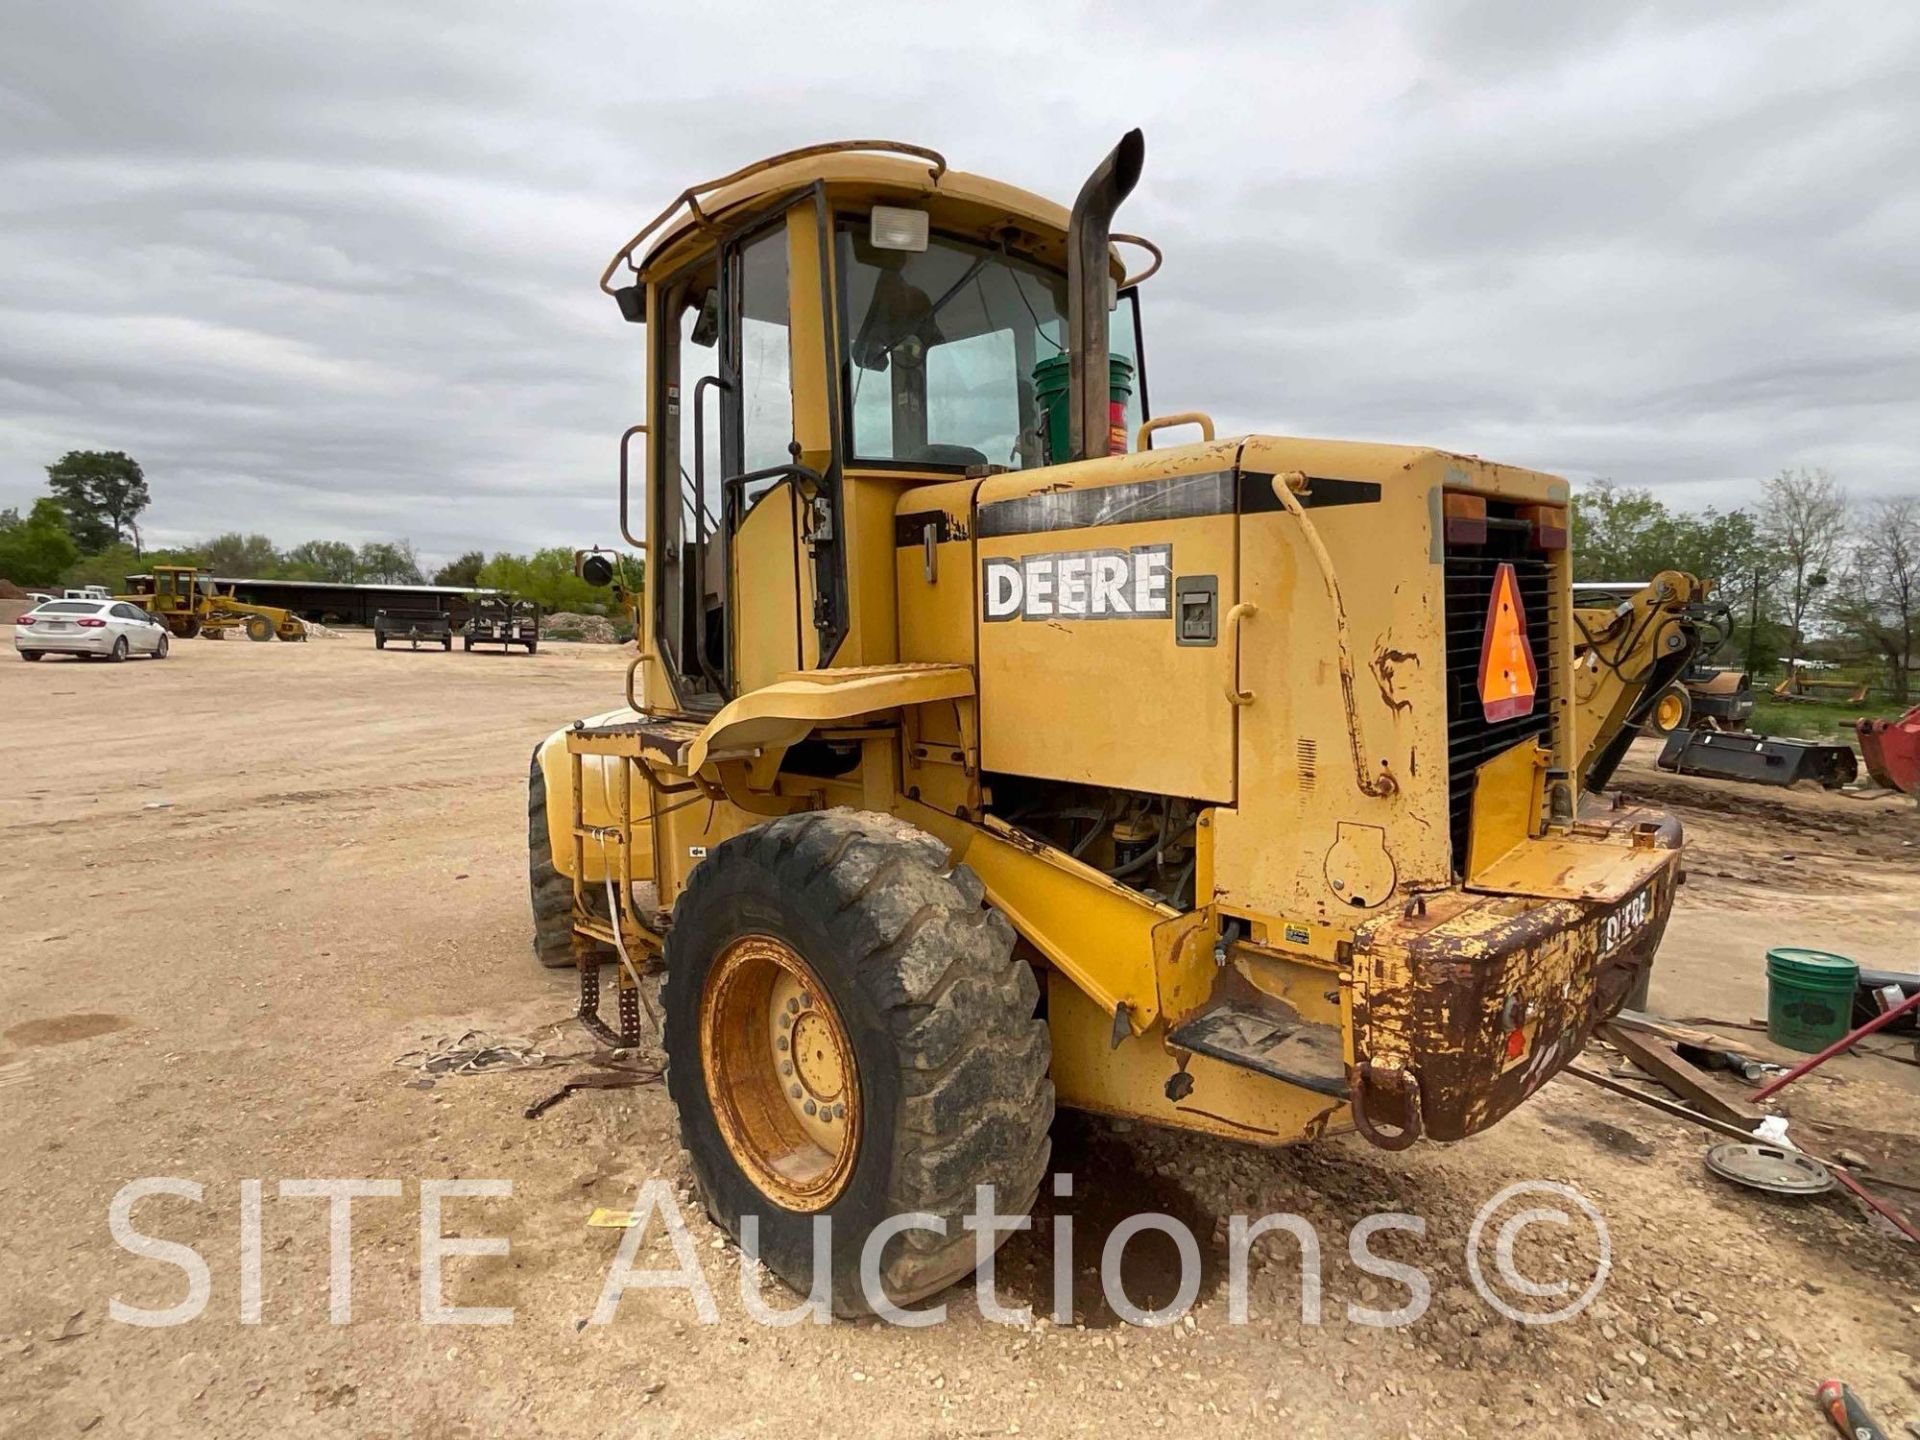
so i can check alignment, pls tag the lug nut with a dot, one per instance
(810, 1107)
(781, 1042)
(793, 1007)
(794, 1091)
(786, 1067)
(785, 1021)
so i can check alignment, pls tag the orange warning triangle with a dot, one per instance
(1508, 677)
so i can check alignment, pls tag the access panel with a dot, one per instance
(1103, 658)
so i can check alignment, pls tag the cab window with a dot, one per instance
(946, 351)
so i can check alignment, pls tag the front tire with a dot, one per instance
(917, 1018)
(160, 648)
(550, 891)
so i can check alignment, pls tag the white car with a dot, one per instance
(97, 629)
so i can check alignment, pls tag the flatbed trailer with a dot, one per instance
(503, 622)
(412, 626)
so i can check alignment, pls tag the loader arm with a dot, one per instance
(1625, 654)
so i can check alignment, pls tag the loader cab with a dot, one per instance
(839, 334)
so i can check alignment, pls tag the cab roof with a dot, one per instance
(854, 172)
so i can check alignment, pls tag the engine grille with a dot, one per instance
(1469, 576)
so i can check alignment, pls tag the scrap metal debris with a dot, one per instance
(1771, 1168)
(615, 1070)
(475, 1052)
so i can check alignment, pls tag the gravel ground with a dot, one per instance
(240, 885)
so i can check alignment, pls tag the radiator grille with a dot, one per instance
(1471, 741)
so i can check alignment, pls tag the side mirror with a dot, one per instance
(597, 570)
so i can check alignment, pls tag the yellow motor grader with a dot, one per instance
(192, 604)
(984, 751)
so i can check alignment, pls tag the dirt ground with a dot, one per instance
(239, 885)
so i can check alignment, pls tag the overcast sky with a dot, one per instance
(328, 269)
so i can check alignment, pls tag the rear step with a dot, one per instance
(1272, 1040)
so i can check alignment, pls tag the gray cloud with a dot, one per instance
(329, 270)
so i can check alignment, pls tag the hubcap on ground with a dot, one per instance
(780, 1073)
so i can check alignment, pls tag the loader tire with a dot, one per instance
(550, 891)
(1672, 711)
(259, 629)
(908, 1009)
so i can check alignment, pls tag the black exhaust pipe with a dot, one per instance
(1089, 422)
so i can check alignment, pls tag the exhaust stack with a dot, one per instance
(1087, 279)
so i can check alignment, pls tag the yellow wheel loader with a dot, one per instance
(1641, 653)
(191, 604)
(985, 750)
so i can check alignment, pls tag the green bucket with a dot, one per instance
(1809, 998)
(1050, 392)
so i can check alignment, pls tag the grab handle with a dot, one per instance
(1231, 624)
(1163, 422)
(626, 531)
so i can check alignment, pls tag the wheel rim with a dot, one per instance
(1667, 713)
(780, 1073)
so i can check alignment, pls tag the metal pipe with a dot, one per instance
(1089, 272)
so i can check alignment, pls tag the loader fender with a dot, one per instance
(597, 806)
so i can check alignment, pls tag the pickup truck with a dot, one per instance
(412, 626)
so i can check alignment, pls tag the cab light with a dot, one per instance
(895, 228)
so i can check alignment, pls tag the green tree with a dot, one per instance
(1623, 534)
(333, 560)
(1877, 601)
(247, 557)
(37, 550)
(110, 568)
(1805, 524)
(103, 493)
(463, 571)
(389, 563)
(545, 577)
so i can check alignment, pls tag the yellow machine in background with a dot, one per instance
(1632, 650)
(984, 750)
(193, 605)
